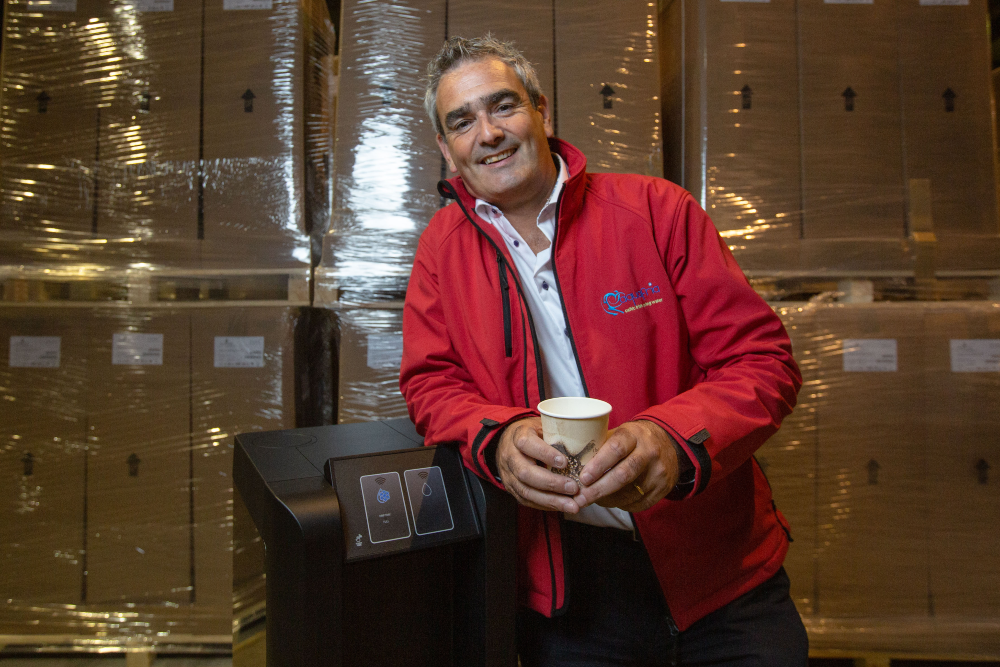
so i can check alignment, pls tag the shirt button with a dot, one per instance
(517, 244)
(545, 285)
(566, 331)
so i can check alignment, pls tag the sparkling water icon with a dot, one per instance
(383, 496)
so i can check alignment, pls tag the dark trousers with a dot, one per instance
(617, 616)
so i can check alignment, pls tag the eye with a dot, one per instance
(505, 107)
(462, 125)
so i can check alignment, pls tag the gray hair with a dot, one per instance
(458, 50)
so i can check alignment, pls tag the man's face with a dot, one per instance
(493, 138)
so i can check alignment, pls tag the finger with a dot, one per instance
(529, 443)
(624, 473)
(533, 497)
(618, 446)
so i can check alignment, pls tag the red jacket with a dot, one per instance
(665, 328)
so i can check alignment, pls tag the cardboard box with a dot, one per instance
(43, 388)
(788, 459)
(49, 137)
(242, 380)
(948, 123)
(387, 161)
(371, 349)
(147, 177)
(254, 124)
(731, 99)
(527, 24)
(607, 84)
(853, 183)
(139, 458)
(962, 391)
(872, 502)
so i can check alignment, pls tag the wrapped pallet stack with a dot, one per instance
(164, 167)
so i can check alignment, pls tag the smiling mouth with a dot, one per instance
(499, 156)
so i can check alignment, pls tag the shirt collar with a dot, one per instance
(488, 212)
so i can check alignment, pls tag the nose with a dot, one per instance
(489, 132)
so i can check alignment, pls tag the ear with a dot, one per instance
(546, 111)
(443, 145)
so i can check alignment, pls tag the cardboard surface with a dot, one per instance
(947, 48)
(371, 345)
(149, 130)
(872, 502)
(852, 160)
(788, 459)
(962, 448)
(139, 525)
(599, 51)
(42, 438)
(230, 397)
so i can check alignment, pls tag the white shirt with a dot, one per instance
(562, 377)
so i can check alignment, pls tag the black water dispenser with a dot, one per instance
(380, 552)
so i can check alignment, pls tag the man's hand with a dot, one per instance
(635, 468)
(519, 453)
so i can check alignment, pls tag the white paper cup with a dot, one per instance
(577, 427)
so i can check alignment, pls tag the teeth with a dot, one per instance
(498, 156)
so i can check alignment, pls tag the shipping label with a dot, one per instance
(239, 352)
(870, 355)
(849, 2)
(246, 4)
(154, 5)
(34, 351)
(137, 349)
(935, 3)
(975, 355)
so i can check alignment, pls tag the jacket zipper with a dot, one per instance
(508, 345)
(562, 296)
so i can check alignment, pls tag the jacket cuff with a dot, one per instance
(697, 456)
(484, 446)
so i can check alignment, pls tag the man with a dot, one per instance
(543, 280)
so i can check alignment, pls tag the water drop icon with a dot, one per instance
(426, 490)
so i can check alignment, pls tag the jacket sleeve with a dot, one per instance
(442, 400)
(747, 379)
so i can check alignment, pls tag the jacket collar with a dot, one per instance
(572, 197)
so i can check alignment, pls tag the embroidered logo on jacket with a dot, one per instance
(617, 303)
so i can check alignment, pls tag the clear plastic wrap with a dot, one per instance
(165, 134)
(598, 68)
(886, 473)
(836, 137)
(371, 350)
(116, 437)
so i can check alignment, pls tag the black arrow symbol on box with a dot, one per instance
(29, 464)
(873, 468)
(143, 101)
(949, 100)
(248, 101)
(606, 92)
(849, 96)
(133, 462)
(982, 471)
(43, 101)
(747, 93)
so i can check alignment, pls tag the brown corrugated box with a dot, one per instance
(873, 520)
(607, 84)
(254, 132)
(233, 393)
(387, 163)
(741, 145)
(526, 23)
(49, 140)
(42, 436)
(138, 463)
(852, 160)
(371, 347)
(788, 459)
(147, 177)
(948, 124)
(963, 450)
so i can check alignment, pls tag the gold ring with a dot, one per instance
(639, 489)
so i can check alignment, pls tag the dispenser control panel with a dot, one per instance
(401, 501)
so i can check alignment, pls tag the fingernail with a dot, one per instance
(569, 507)
(586, 479)
(560, 462)
(571, 487)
